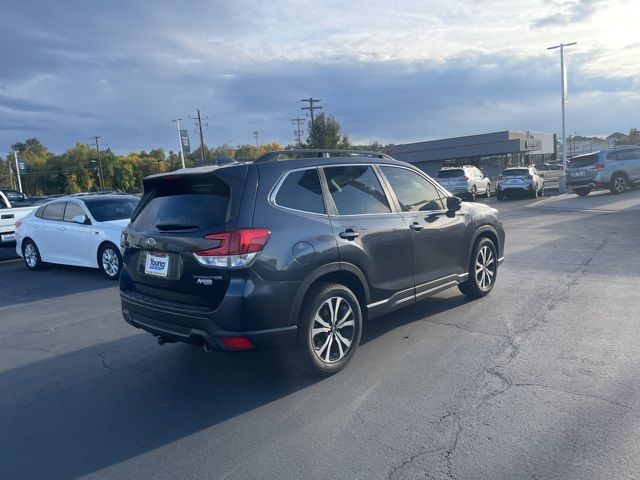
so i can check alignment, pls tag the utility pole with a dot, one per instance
(15, 156)
(199, 124)
(96, 137)
(177, 120)
(311, 108)
(298, 131)
(562, 181)
(256, 135)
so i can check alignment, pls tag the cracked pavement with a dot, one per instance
(537, 380)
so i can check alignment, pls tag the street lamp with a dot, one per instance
(562, 181)
(177, 120)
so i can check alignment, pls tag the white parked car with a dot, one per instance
(520, 180)
(81, 231)
(467, 181)
(9, 214)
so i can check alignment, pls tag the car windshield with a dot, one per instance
(451, 173)
(583, 161)
(106, 209)
(515, 172)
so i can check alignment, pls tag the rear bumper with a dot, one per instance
(586, 183)
(248, 310)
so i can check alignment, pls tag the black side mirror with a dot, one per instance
(454, 204)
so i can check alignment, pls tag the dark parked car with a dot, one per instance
(298, 252)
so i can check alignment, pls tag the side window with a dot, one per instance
(414, 192)
(2, 204)
(612, 156)
(39, 211)
(356, 190)
(72, 210)
(301, 191)
(53, 211)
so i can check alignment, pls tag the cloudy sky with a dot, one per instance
(389, 71)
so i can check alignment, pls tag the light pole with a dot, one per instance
(177, 120)
(562, 181)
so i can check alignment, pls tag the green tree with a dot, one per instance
(324, 132)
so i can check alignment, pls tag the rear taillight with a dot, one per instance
(500, 178)
(236, 248)
(598, 167)
(465, 178)
(18, 223)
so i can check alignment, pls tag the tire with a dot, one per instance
(488, 192)
(31, 256)
(481, 282)
(534, 193)
(474, 193)
(499, 196)
(619, 183)
(323, 352)
(110, 260)
(583, 192)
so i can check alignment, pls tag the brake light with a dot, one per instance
(18, 223)
(236, 248)
(236, 343)
(465, 178)
(598, 167)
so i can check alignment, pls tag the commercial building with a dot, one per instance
(490, 152)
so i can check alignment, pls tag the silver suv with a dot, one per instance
(467, 181)
(616, 168)
(520, 180)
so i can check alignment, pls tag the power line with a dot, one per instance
(311, 108)
(298, 131)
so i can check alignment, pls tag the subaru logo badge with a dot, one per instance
(149, 243)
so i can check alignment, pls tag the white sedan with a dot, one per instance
(83, 231)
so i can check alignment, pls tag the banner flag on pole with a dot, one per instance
(184, 138)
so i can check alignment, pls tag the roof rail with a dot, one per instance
(320, 153)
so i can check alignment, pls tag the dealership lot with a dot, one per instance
(539, 379)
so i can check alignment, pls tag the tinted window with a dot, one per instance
(39, 211)
(414, 192)
(185, 203)
(356, 190)
(2, 204)
(451, 173)
(583, 161)
(106, 209)
(516, 172)
(301, 191)
(72, 210)
(53, 211)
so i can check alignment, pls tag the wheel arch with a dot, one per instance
(486, 231)
(102, 244)
(337, 272)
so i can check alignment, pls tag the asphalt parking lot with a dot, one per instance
(538, 380)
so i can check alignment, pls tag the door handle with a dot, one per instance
(416, 226)
(349, 234)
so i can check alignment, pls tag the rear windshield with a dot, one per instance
(516, 172)
(107, 209)
(583, 161)
(185, 203)
(452, 173)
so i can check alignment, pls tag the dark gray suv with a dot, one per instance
(298, 249)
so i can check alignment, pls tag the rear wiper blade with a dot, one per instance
(175, 226)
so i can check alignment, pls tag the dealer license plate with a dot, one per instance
(157, 264)
(9, 237)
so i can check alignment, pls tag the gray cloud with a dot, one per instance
(569, 12)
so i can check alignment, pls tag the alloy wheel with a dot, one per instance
(333, 330)
(620, 184)
(110, 262)
(30, 255)
(485, 268)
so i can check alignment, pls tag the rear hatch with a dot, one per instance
(516, 177)
(452, 177)
(583, 167)
(175, 215)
